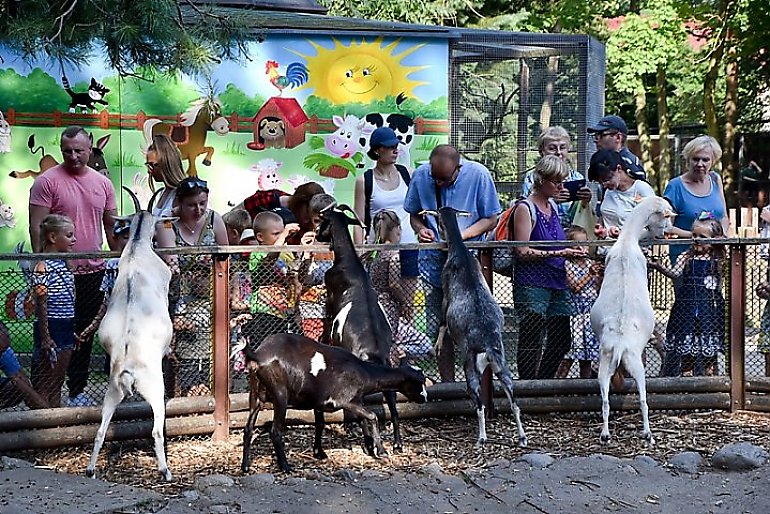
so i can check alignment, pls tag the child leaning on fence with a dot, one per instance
(274, 281)
(583, 279)
(53, 286)
(385, 272)
(695, 332)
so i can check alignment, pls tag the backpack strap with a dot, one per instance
(368, 185)
(532, 214)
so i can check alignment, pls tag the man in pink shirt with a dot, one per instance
(76, 190)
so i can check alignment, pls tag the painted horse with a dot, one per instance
(190, 134)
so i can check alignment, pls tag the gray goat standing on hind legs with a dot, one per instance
(136, 329)
(474, 321)
(622, 317)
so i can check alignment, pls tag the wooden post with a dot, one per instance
(57, 119)
(737, 317)
(140, 119)
(104, 119)
(220, 329)
(487, 390)
(10, 115)
(234, 121)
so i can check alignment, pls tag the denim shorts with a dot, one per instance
(62, 331)
(9, 364)
(543, 301)
(409, 268)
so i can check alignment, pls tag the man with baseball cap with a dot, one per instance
(610, 133)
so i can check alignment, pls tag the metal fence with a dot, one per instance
(508, 87)
(223, 298)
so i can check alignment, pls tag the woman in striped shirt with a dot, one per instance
(53, 286)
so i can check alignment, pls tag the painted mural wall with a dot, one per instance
(301, 109)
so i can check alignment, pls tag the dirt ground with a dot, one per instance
(439, 471)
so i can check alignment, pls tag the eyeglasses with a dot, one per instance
(190, 183)
(151, 165)
(599, 135)
(446, 181)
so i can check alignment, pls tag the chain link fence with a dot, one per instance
(270, 292)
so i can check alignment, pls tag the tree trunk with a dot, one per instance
(664, 160)
(709, 93)
(731, 119)
(547, 108)
(640, 95)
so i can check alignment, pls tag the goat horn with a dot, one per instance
(153, 197)
(137, 207)
(428, 212)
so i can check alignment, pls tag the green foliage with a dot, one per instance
(166, 95)
(167, 34)
(235, 100)
(435, 12)
(321, 162)
(41, 92)
(324, 109)
(234, 148)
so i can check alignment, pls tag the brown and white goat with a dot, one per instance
(294, 371)
(136, 330)
(622, 317)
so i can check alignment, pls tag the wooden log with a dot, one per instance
(757, 402)
(758, 385)
(85, 434)
(204, 424)
(46, 418)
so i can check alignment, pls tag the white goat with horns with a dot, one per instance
(622, 317)
(136, 330)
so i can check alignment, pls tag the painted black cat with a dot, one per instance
(87, 100)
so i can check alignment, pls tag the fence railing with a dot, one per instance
(206, 328)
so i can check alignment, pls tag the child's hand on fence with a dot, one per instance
(613, 232)
(763, 290)
(600, 231)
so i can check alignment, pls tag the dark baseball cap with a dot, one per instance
(383, 136)
(603, 165)
(611, 122)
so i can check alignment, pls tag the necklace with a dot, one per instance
(192, 230)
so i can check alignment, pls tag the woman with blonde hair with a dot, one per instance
(541, 293)
(699, 189)
(556, 141)
(164, 165)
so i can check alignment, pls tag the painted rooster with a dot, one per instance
(296, 75)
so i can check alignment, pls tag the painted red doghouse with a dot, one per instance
(280, 123)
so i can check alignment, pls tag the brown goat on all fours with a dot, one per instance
(294, 371)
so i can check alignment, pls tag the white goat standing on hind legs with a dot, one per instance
(474, 320)
(622, 317)
(136, 330)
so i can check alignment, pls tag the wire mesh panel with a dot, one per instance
(509, 87)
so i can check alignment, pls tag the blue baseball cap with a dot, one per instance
(611, 122)
(383, 136)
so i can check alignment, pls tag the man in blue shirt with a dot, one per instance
(610, 133)
(466, 186)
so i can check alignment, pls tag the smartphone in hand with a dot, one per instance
(573, 186)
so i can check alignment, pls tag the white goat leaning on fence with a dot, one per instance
(622, 317)
(136, 330)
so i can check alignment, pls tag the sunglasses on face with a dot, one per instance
(599, 135)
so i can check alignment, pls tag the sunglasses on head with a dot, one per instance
(190, 183)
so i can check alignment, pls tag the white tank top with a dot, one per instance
(393, 201)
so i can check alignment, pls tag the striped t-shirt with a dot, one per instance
(60, 288)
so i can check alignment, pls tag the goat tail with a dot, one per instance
(126, 382)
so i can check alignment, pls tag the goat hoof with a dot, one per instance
(167, 475)
(285, 468)
(320, 455)
(481, 442)
(604, 438)
(523, 442)
(398, 449)
(648, 437)
(90, 473)
(381, 453)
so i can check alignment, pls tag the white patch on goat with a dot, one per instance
(330, 403)
(481, 361)
(338, 325)
(317, 364)
(424, 393)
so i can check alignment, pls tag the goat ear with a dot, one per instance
(669, 214)
(356, 219)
